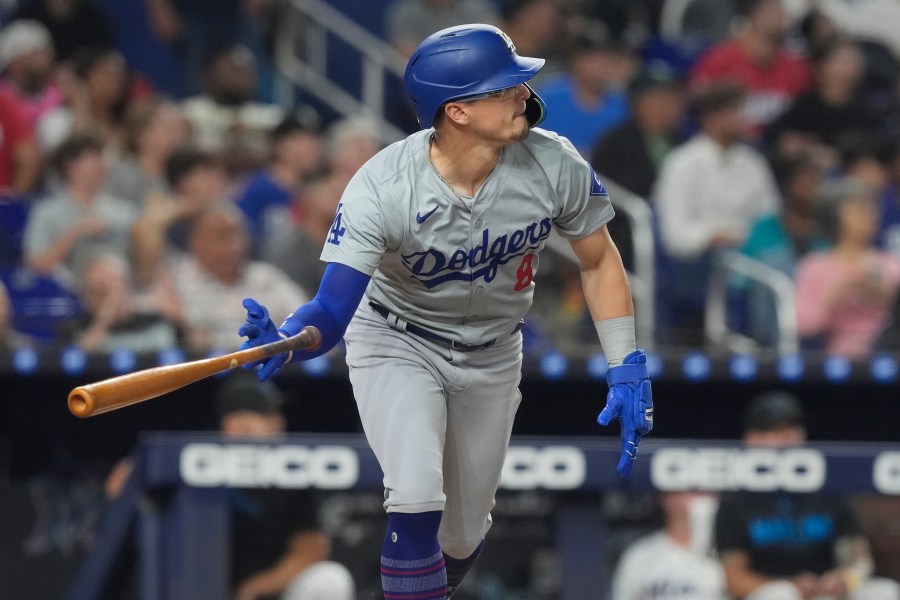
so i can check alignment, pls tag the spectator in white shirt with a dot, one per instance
(214, 278)
(708, 193)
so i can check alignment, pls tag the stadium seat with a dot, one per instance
(39, 303)
(13, 215)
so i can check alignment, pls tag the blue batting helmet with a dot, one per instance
(468, 60)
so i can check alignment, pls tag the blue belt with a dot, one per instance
(430, 335)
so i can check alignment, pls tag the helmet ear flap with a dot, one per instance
(535, 108)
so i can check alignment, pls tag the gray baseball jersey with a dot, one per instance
(464, 270)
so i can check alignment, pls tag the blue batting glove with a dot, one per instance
(259, 330)
(630, 399)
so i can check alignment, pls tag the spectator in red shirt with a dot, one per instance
(756, 58)
(28, 68)
(20, 161)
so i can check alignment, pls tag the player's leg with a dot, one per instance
(481, 411)
(402, 407)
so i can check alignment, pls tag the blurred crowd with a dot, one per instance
(765, 127)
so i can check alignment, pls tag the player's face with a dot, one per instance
(499, 117)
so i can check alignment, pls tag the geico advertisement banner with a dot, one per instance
(338, 467)
(555, 467)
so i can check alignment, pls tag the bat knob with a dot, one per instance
(81, 404)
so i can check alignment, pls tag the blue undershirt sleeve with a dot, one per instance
(330, 311)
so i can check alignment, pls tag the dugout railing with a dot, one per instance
(175, 501)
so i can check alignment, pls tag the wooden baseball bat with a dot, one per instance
(125, 390)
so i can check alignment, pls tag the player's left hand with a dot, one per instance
(630, 399)
(260, 330)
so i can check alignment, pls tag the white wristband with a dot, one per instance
(617, 338)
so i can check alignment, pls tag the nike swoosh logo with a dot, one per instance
(420, 218)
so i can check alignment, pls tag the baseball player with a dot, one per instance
(431, 262)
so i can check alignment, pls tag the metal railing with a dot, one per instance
(643, 278)
(782, 288)
(301, 51)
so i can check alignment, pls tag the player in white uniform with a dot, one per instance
(432, 254)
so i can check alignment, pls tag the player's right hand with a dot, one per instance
(260, 330)
(630, 399)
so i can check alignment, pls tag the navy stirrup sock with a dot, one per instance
(458, 567)
(412, 564)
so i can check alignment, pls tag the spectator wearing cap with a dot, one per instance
(277, 544)
(73, 24)
(786, 545)
(756, 59)
(295, 154)
(279, 548)
(710, 189)
(588, 100)
(632, 153)
(27, 64)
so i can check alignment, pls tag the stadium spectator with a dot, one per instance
(20, 160)
(161, 231)
(10, 339)
(631, 154)
(227, 118)
(216, 275)
(818, 119)
(588, 101)
(675, 562)
(870, 20)
(277, 543)
(349, 143)
(408, 22)
(66, 229)
(196, 28)
(781, 239)
(889, 231)
(844, 295)
(112, 318)
(535, 27)
(791, 546)
(278, 548)
(297, 252)
(73, 24)
(755, 58)
(154, 129)
(97, 92)
(709, 191)
(27, 64)
(296, 153)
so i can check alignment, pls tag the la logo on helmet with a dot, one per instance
(509, 42)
